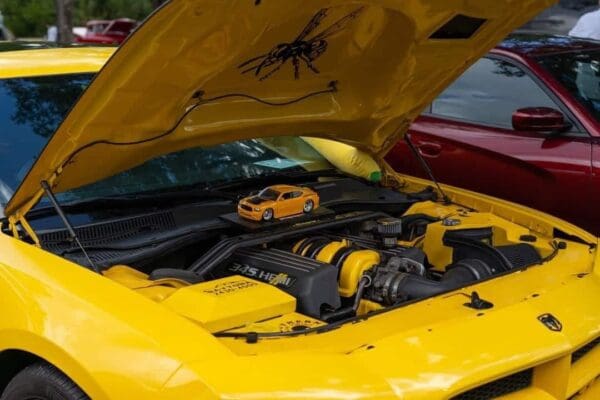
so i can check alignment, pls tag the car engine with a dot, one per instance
(331, 274)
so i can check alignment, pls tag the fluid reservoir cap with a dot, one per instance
(389, 230)
(451, 222)
(389, 227)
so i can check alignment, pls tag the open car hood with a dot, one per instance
(203, 72)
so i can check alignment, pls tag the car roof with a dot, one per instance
(285, 188)
(99, 21)
(535, 45)
(19, 60)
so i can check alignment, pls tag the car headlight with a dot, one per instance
(257, 209)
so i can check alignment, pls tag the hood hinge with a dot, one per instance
(13, 224)
(19, 216)
(389, 178)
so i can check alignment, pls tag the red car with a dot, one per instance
(107, 32)
(527, 113)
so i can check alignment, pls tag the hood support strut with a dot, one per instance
(48, 190)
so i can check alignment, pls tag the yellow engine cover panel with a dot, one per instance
(230, 302)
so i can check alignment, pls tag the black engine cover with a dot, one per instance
(312, 283)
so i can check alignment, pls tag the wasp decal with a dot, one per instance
(303, 50)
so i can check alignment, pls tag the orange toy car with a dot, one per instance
(278, 201)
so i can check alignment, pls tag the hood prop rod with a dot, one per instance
(427, 168)
(67, 223)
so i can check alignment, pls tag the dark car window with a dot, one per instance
(288, 196)
(30, 111)
(580, 74)
(269, 194)
(489, 93)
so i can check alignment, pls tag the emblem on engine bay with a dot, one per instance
(264, 275)
(280, 279)
(551, 322)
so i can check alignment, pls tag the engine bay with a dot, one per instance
(367, 250)
(301, 276)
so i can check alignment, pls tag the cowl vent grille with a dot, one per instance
(102, 234)
(501, 387)
(582, 351)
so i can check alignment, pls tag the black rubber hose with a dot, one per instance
(410, 287)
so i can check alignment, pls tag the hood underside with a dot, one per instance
(203, 72)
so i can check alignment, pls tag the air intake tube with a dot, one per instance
(391, 287)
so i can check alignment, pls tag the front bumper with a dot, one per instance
(251, 215)
(336, 378)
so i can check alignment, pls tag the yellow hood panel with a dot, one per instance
(202, 72)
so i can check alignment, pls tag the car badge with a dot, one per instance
(550, 322)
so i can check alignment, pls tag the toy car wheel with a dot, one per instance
(309, 206)
(268, 214)
(41, 381)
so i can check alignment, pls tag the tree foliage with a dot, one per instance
(30, 18)
(109, 9)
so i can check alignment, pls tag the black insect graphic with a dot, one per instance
(301, 50)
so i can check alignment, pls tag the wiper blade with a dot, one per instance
(137, 200)
(154, 197)
(184, 192)
(193, 192)
(267, 179)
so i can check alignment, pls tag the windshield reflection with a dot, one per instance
(31, 109)
(203, 167)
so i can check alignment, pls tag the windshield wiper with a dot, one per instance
(225, 190)
(137, 200)
(277, 177)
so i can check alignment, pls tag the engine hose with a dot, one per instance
(347, 312)
(365, 282)
(394, 287)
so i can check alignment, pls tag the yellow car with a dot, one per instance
(278, 201)
(122, 276)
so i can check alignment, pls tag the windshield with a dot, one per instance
(269, 194)
(206, 166)
(31, 109)
(580, 74)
